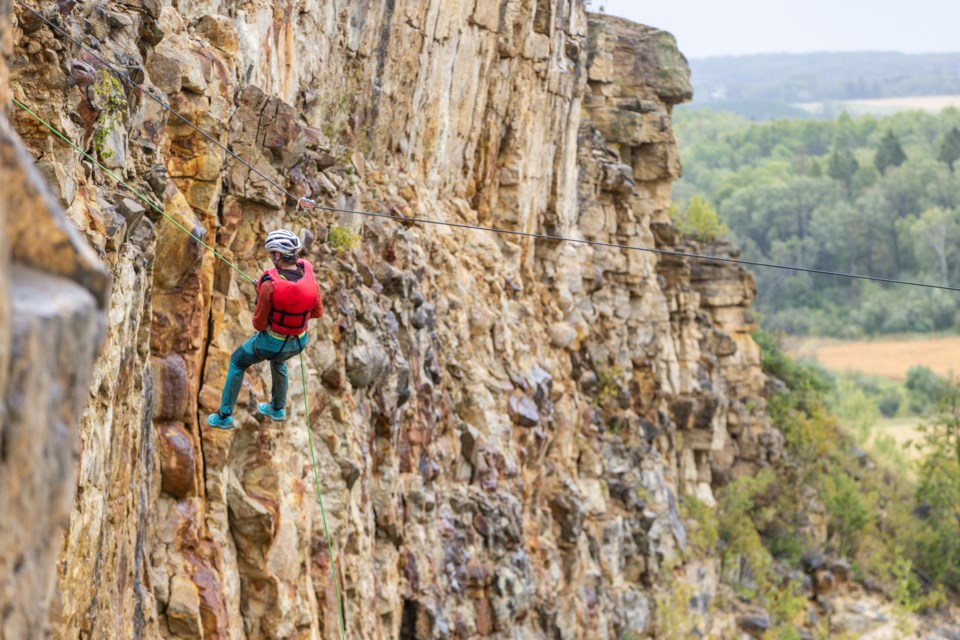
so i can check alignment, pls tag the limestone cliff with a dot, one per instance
(505, 426)
(52, 292)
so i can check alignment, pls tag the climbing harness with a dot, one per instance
(285, 339)
(303, 371)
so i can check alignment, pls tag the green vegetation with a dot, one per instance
(898, 525)
(950, 148)
(865, 195)
(341, 239)
(891, 527)
(672, 613)
(609, 381)
(890, 153)
(700, 220)
(860, 401)
(703, 532)
(112, 104)
(938, 494)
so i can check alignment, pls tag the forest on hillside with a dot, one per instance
(878, 196)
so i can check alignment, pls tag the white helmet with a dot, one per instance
(283, 241)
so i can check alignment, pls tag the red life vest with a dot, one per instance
(292, 302)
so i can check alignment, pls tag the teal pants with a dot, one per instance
(261, 347)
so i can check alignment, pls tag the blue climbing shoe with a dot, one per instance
(218, 421)
(277, 415)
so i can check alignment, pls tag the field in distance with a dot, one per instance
(879, 106)
(889, 357)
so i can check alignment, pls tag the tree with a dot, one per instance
(816, 171)
(936, 231)
(938, 493)
(950, 148)
(889, 153)
(843, 166)
(700, 220)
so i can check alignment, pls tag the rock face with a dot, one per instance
(52, 289)
(504, 426)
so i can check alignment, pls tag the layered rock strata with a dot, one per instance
(505, 426)
(52, 291)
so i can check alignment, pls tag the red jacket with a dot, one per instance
(291, 283)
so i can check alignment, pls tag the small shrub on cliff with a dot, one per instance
(112, 103)
(746, 562)
(672, 615)
(787, 604)
(909, 594)
(703, 533)
(342, 239)
(926, 390)
(609, 380)
(849, 509)
(938, 494)
(700, 221)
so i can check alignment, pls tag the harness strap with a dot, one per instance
(286, 339)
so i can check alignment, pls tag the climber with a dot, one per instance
(287, 297)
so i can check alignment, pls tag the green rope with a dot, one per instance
(303, 371)
(323, 514)
(119, 180)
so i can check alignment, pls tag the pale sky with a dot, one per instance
(735, 27)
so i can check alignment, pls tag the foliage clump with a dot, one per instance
(890, 153)
(700, 220)
(609, 380)
(112, 104)
(950, 148)
(342, 238)
(938, 494)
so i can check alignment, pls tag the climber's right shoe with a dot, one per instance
(219, 421)
(277, 415)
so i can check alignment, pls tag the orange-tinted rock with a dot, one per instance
(183, 608)
(177, 460)
(177, 253)
(179, 324)
(213, 608)
(472, 521)
(484, 615)
(171, 387)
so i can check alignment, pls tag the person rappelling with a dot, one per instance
(287, 297)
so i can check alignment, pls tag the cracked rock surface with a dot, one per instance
(504, 426)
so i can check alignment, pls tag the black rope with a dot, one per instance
(665, 252)
(458, 225)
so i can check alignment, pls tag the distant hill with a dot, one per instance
(764, 85)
